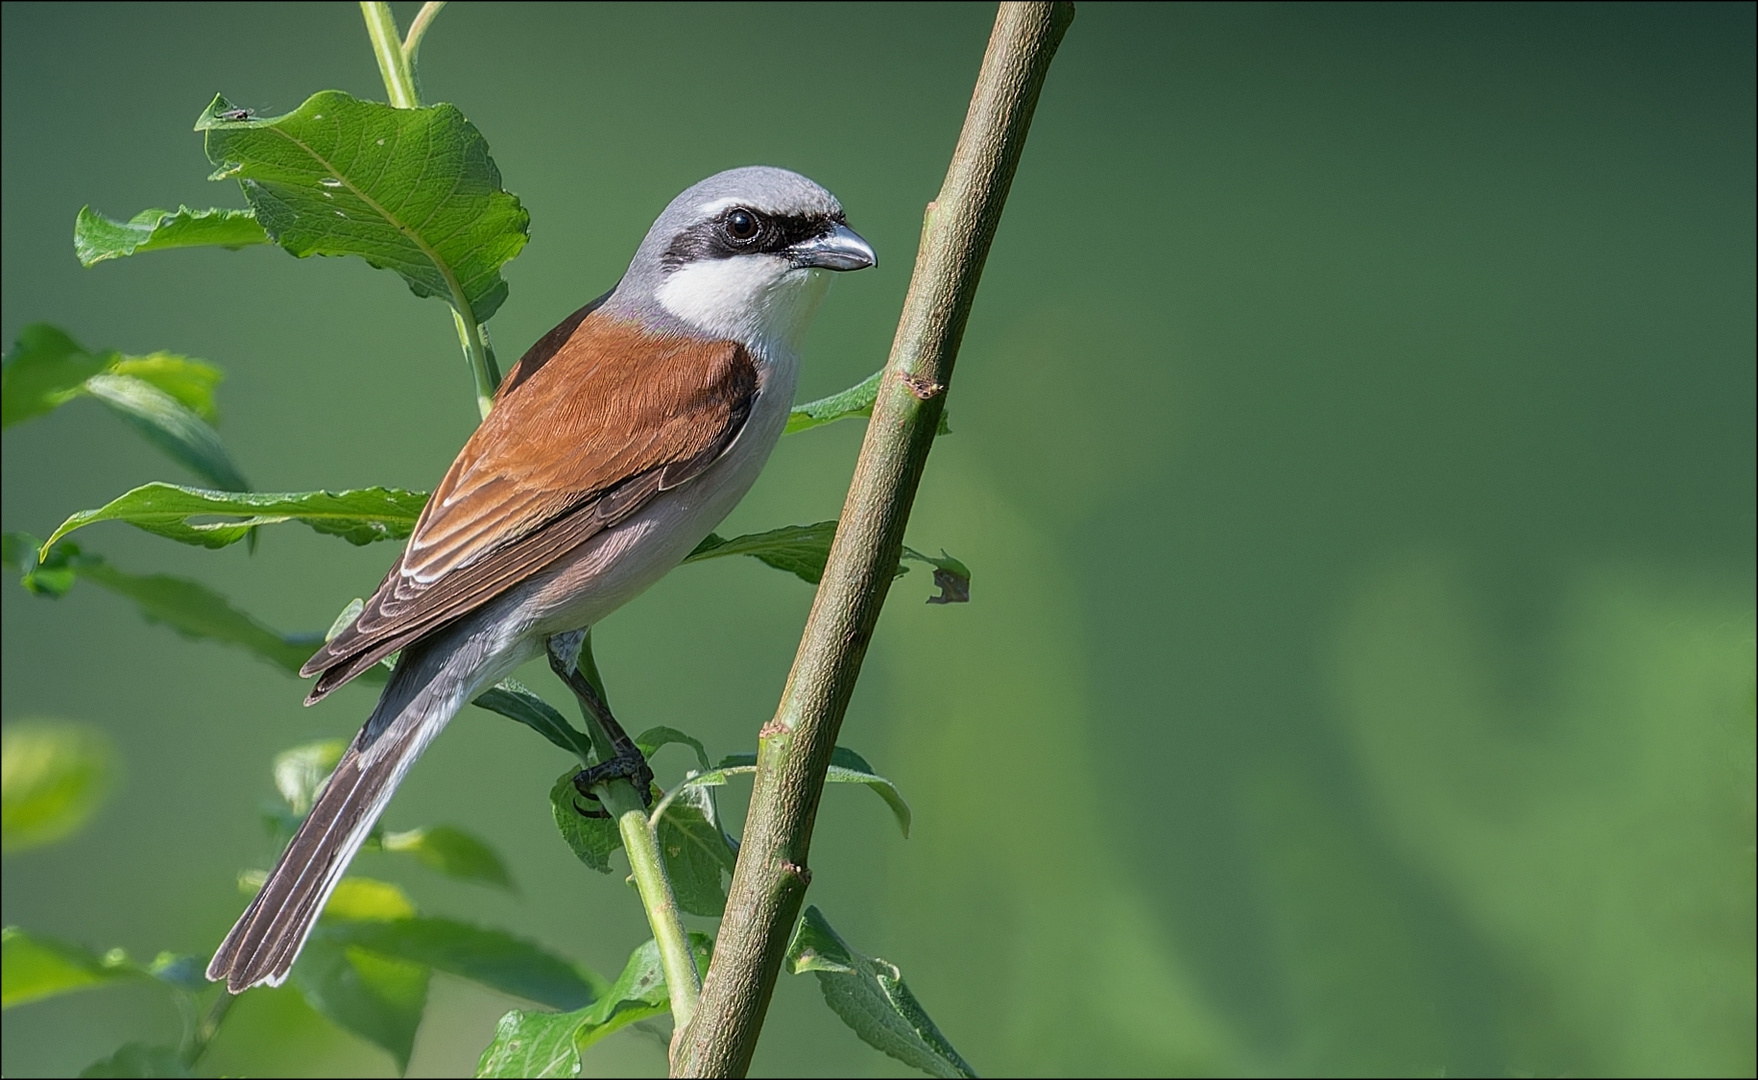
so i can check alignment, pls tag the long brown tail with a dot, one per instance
(422, 697)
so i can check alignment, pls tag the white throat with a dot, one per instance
(761, 301)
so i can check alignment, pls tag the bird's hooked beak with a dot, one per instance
(839, 249)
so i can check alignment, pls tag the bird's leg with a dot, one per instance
(626, 761)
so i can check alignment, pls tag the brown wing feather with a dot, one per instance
(611, 417)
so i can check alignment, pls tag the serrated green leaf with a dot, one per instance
(515, 701)
(97, 238)
(532, 1044)
(55, 776)
(44, 369)
(171, 426)
(376, 997)
(489, 957)
(33, 968)
(360, 516)
(192, 609)
(198, 613)
(410, 190)
(697, 851)
(800, 550)
(550, 1044)
(846, 767)
(139, 1059)
(857, 400)
(453, 852)
(870, 996)
(192, 382)
(591, 839)
(652, 739)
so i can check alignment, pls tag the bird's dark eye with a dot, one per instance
(741, 224)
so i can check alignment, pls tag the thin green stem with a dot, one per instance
(387, 49)
(482, 366)
(417, 30)
(396, 64)
(682, 981)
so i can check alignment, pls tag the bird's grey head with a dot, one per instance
(745, 255)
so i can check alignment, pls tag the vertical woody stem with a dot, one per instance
(769, 885)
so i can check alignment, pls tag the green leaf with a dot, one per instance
(453, 852)
(652, 739)
(193, 610)
(515, 701)
(96, 237)
(50, 577)
(857, 400)
(410, 190)
(171, 426)
(44, 369)
(951, 577)
(301, 770)
(870, 996)
(550, 1044)
(592, 839)
(360, 516)
(138, 1059)
(846, 767)
(192, 382)
(696, 851)
(489, 957)
(197, 612)
(33, 968)
(800, 550)
(538, 1044)
(376, 997)
(55, 776)
(164, 396)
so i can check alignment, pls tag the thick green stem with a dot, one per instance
(396, 64)
(769, 884)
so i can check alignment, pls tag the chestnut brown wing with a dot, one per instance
(615, 415)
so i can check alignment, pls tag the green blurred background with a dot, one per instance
(1354, 450)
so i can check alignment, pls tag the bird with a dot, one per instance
(615, 445)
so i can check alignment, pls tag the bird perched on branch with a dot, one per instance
(616, 444)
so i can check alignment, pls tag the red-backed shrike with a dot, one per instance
(616, 444)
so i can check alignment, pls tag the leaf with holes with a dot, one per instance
(409, 190)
